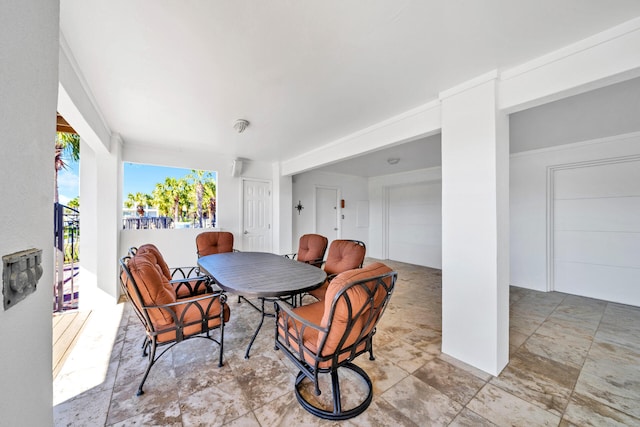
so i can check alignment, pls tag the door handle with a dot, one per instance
(335, 229)
(246, 232)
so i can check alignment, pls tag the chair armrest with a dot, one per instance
(292, 342)
(192, 301)
(282, 307)
(316, 262)
(191, 279)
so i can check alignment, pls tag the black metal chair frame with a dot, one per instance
(151, 339)
(364, 343)
(315, 262)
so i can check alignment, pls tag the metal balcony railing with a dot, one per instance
(147, 222)
(66, 224)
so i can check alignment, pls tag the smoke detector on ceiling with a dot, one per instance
(393, 160)
(240, 125)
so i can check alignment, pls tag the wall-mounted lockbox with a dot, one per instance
(20, 274)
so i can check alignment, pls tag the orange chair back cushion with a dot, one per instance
(343, 255)
(153, 286)
(152, 249)
(312, 247)
(214, 242)
(358, 297)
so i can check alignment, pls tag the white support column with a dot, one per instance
(282, 211)
(100, 189)
(475, 226)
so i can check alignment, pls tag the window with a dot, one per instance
(166, 197)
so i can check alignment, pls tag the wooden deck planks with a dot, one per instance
(66, 330)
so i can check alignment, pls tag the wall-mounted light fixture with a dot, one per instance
(299, 207)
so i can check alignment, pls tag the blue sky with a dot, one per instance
(68, 182)
(137, 178)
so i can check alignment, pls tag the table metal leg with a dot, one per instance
(255, 334)
(290, 299)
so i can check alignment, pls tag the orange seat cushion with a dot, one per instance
(214, 242)
(319, 292)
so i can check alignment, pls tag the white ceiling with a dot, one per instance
(304, 73)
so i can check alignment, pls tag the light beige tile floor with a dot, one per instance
(573, 361)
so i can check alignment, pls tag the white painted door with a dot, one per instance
(327, 212)
(596, 240)
(256, 218)
(415, 224)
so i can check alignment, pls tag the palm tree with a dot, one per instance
(198, 178)
(67, 145)
(163, 199)
(186, 193)
(139, 200)
(210, 196)
(172, 192)
(74, 203)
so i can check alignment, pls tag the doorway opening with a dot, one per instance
(66, 219)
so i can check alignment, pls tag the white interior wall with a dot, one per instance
(377, 203)
(178, 246)
(415, 224)
(528, 200)
(352, 189)
(28, 94)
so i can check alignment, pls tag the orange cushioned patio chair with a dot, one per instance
(343, 255)
(186, 281)
(168, 319)
(214, 242)
(311, 249)
(325, 336)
